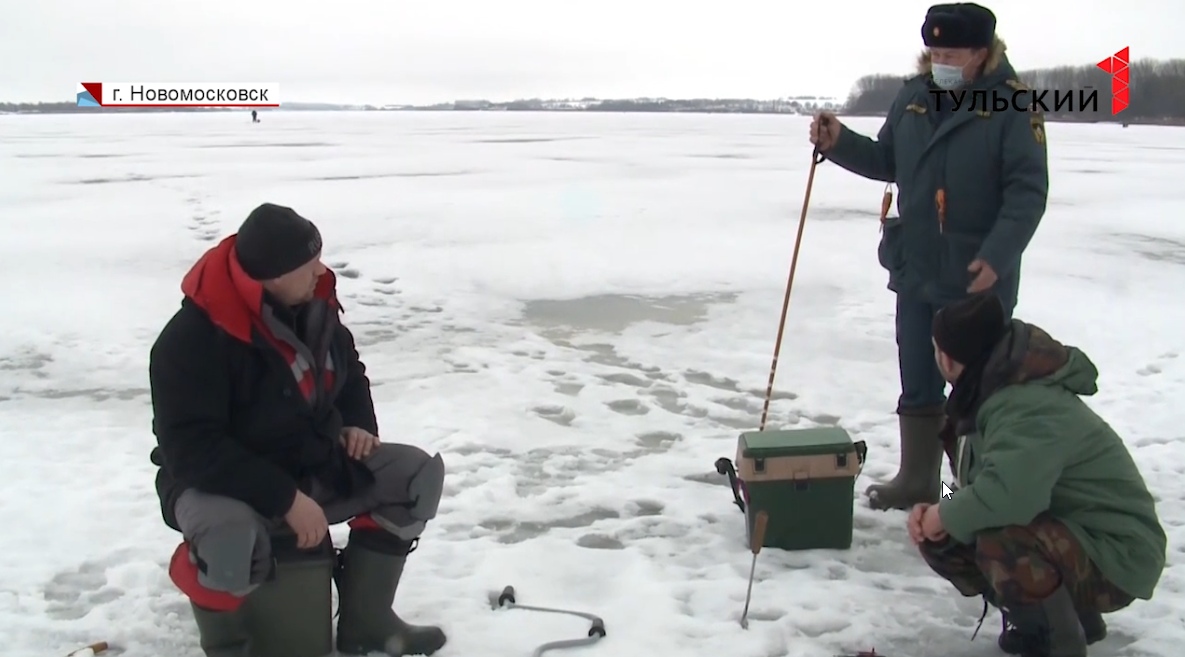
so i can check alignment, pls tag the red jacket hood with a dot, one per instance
(231, 298)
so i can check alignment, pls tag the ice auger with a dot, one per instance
(596, 632)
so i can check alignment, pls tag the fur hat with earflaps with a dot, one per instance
(959, 25)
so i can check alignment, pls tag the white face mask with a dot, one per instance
(947, 76)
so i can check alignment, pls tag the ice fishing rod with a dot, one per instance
(816, 159)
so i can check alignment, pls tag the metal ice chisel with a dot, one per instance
(755, 542)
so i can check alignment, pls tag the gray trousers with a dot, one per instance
(234, 542)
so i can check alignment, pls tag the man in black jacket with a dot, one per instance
(265, 423)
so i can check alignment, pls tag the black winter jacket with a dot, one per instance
(229, 412)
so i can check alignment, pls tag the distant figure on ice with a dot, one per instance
(265, 424)
(972, 187)
(1051, 520)
(254, 116)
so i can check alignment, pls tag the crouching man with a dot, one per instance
(1051, 521)
(265, 424)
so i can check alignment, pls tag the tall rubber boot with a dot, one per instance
(368, 577)
(1094, 628)
(1050, 628)
(919, 476)
(222, 633)
(220, 618)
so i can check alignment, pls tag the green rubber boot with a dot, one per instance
(1093, 627)
(369, 573)
(1051, 628)
(222, 633)
(919, 477)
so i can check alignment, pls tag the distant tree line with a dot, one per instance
(697, 105)
(694, 105)
(1157, 92)
(73, 108)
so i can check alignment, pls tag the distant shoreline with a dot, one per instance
(1168, 122)
(749, 107)
(798, 105)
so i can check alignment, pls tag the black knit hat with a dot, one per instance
(959, 25)
(275, 240)
(969, 329)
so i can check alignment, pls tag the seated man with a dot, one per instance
(1051, 520)
(265, 423)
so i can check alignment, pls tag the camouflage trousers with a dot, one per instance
(1022, 565)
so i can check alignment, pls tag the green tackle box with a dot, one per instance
(291, 614)
(804, 479)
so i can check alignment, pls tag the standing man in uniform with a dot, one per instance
(972, 180)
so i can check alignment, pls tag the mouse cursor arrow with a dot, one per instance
(946, 491)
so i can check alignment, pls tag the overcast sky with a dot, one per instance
(388, 51)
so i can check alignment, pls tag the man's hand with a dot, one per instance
(914, 523)
(307, 520)
(932, 528)
(985, 276)
(825, 131)
(359, 443)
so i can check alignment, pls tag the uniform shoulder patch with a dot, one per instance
(1037, 125)
(1020, 88)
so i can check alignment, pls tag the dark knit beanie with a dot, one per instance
(274, 241)
(959, 25)
(969, 329)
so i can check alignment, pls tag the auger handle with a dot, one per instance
(95, 648)
(758, 538)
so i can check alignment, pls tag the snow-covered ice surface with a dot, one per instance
(578, 311)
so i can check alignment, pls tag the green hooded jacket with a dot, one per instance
(988, 157)
(1032, 445)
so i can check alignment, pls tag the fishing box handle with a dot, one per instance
(724, 466)
(861, 455)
